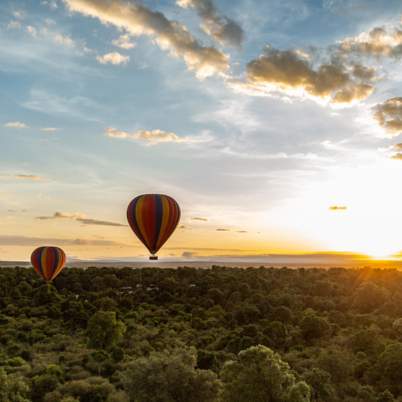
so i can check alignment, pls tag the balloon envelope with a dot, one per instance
(48, 262)
(153, 218)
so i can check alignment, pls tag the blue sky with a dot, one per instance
(256, 116)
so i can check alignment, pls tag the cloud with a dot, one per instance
(289, 71)
(80, 218)
(113, 58)
(49, 129)
(6, 240)
(31, 177)
(32, 31)
(155, 137)
(15, 124)
(222, 230)
(87, 221)
(389, 115)
(64, 40)
(56, 37)
(241, 231)
(397, 156)
(221, 28)
(14, 24)
(199, 218)
(170, 35)
(188, 254)
(124, 42)
(338, 208)
(380, 41)
(62, 215)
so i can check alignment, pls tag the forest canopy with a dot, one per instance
(201, 335)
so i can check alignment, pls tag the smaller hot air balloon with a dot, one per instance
(153, 218)
(48, 262)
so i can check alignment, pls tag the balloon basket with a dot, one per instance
(153, 257)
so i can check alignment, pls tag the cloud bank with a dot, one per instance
(37, 241)
(155, 137)
(290, 71)
(170, 35)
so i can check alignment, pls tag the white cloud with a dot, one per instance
(49, 129)
(380, 41)
(124, 42)
(173, 36)
(64, 40)
(15, 124)
(155, 137)
(113, 58)
(32, 31)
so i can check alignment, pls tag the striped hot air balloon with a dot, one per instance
(48, 262)
(153, 218)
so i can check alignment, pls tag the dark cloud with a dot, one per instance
(241, 231)
(222, 230)
(87, 221)
(31, 177)
(290, 70)
(188, 254)
(199, 218)
(80, 218)
(389, 115)
(221, 28)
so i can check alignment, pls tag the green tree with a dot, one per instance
(260, 375)
(313, 326)
(12, 388)
(170, 377)
(104, 329)
(390, 366)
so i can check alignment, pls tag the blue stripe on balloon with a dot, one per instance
(159, 216)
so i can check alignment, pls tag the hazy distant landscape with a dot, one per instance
(202, 335)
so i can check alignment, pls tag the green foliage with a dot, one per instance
(260, 375)
(104, 334)
(12, 388)
(170, 377)
(313, 326)
(104, 329)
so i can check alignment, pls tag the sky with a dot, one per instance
(274, 124)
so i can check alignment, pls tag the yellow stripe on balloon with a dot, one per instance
(138, 218)
(60, 263)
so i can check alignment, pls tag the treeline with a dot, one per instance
(201, 335)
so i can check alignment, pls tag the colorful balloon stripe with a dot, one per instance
(48, 262)
(153, 218)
